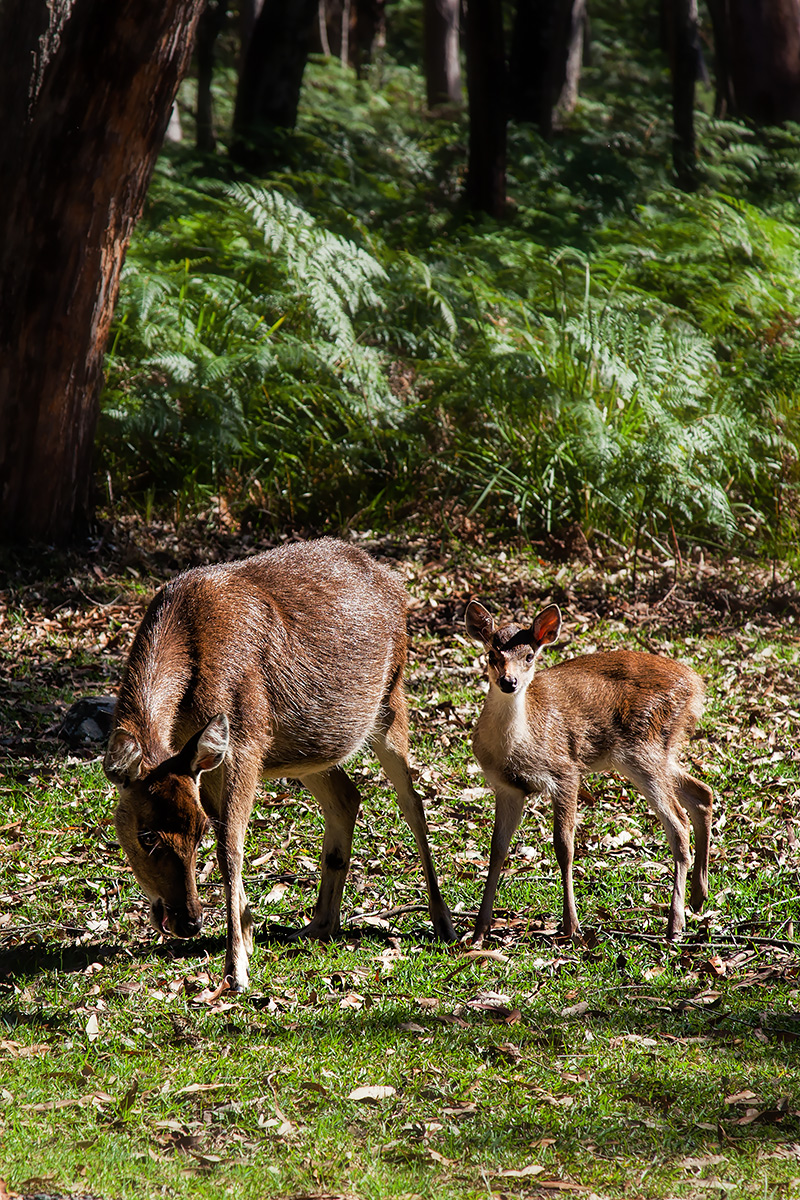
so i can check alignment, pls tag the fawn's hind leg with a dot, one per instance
(698, 800)
(565, 812)
(659, 791)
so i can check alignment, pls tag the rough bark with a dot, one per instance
(86, 90)
(441, 52)
(486, 84)
(545, 60)
(757, 49)
(268, 94)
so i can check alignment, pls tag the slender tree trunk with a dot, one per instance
(441, 52)
(86, 90)
(210, 27)
(367, 34)
(685, 61)
(545, 60)
(757, 45)
(486, 84)
(268, 95)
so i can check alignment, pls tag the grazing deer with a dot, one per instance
(284, 664)
(543, 732)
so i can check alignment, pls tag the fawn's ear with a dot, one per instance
(547, 625)
(479, 622)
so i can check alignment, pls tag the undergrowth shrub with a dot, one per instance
(343, 343)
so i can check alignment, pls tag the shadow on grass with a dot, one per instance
(26, 960)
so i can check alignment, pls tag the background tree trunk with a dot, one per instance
(757, 45)
(86, 90)
(486, 84)
(685, 55)
(545, 60)
(211, 24)
(268, 94)
(441, 52)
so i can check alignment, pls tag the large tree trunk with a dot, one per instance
(86, 90)
(268, 94)
(441, 52)
(757, 46)
(545, 60)
(486, 85)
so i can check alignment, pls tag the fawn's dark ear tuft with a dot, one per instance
(479, 622)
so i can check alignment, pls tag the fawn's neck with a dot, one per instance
(504, 720)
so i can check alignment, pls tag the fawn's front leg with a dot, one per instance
(509, 806)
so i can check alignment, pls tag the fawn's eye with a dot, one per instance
(149, 840)
(529, 658)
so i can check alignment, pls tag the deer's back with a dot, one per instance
(296, 646)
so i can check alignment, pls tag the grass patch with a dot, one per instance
(616, 1067)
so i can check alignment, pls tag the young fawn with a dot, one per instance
(541, 733)
(284, 664)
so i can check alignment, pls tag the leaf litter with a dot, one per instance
(73, 635)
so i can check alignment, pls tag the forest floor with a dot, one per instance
(385, 1065)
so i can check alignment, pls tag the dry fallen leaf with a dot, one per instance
(522, 1173)
(372, 1094)
(92, 1028)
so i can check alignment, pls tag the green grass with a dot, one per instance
(622, 1066)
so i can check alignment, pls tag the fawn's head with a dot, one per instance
(160, 820)
(512, 651)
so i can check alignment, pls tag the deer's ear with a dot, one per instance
(547, 625)
(211, 745)
(123, 759)
(479, 622)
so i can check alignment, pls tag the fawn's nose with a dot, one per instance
(507, 683)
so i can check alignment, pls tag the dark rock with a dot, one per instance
(88, 721)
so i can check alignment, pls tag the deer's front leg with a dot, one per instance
(509, 806)
(231, 828)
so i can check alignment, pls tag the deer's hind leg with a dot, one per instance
(339, 800)
(390, 743)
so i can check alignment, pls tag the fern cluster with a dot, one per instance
(343, 343)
